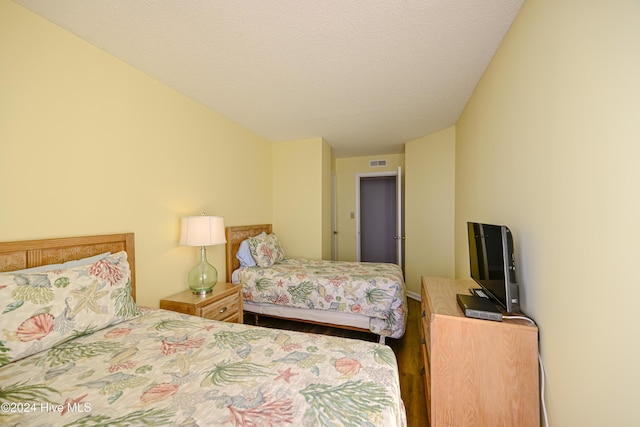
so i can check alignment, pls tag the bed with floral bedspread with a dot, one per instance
(76, 350)
(375, 290)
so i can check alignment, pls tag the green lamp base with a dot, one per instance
(203, 277)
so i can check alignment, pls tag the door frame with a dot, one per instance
(334, 216)
(399, 217)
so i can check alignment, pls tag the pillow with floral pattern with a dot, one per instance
(42, 309)
(266, 250)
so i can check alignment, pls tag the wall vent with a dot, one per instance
(377, 163)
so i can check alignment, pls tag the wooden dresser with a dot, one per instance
(476, 372)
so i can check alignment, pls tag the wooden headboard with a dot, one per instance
(33, 253)
(235, 236)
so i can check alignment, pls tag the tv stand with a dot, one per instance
(476, 372)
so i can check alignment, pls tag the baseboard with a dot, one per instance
(414, 296)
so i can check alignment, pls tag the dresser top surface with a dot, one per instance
(441, 295)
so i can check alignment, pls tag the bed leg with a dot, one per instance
(381, 339)
(255, 319)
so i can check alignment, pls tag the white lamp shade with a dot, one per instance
(202, 231)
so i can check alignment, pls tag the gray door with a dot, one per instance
(378, 219)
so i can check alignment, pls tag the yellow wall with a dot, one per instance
(300, 211)
(548, 144)
(429, 207)
(346, 172)
(90, 145)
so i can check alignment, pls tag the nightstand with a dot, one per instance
(223, 303)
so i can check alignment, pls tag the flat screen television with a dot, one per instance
(492, 263)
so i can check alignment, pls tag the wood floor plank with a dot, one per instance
(406, 349)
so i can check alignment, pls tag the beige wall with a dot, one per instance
(346, 172)
(429, 207)
(548, 144)
(90, 145)
(301, 207)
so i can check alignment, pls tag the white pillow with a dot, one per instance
(244, 253)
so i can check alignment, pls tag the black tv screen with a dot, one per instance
(492, 263)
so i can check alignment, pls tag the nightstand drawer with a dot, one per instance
(222, 309)
(223, 303)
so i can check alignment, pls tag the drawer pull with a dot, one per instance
(222, 310)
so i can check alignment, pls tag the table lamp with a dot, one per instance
(202, 231)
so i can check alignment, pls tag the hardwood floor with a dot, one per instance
(407, 350)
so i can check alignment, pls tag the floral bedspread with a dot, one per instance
(165, 368)
(376, 290)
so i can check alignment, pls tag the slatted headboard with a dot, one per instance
(235, 236)
(33, 253)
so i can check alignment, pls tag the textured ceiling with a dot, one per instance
(366, 75)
